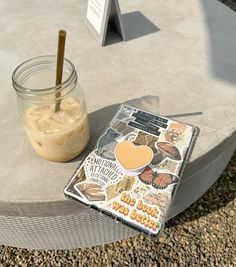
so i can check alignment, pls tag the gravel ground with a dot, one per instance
(203, 235)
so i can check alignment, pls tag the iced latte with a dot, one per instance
(57, 136)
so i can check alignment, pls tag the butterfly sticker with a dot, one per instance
(157, 180)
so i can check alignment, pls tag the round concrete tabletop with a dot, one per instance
(184, 53)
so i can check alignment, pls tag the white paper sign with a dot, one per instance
(95, 13)
(100, 14)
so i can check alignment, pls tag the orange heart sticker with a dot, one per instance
(132, 157)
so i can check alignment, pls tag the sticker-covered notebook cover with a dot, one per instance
(132, 173)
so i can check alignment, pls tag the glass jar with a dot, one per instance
(56, 134)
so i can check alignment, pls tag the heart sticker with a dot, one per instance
(132, 157)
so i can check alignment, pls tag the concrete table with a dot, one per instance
(183, 53)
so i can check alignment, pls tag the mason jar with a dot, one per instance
(54, 117)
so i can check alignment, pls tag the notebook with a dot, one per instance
(133, 171)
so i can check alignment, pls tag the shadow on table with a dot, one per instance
(221, 25)
(174, 116)
(135, 26)
(217, 197)
(100, 119)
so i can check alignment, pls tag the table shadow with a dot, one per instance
(220, 24)
(172, 116)
(135, 25)
(99, 119)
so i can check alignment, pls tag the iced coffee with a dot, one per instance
(57, 136)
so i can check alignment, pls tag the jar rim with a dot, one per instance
(33, 61)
